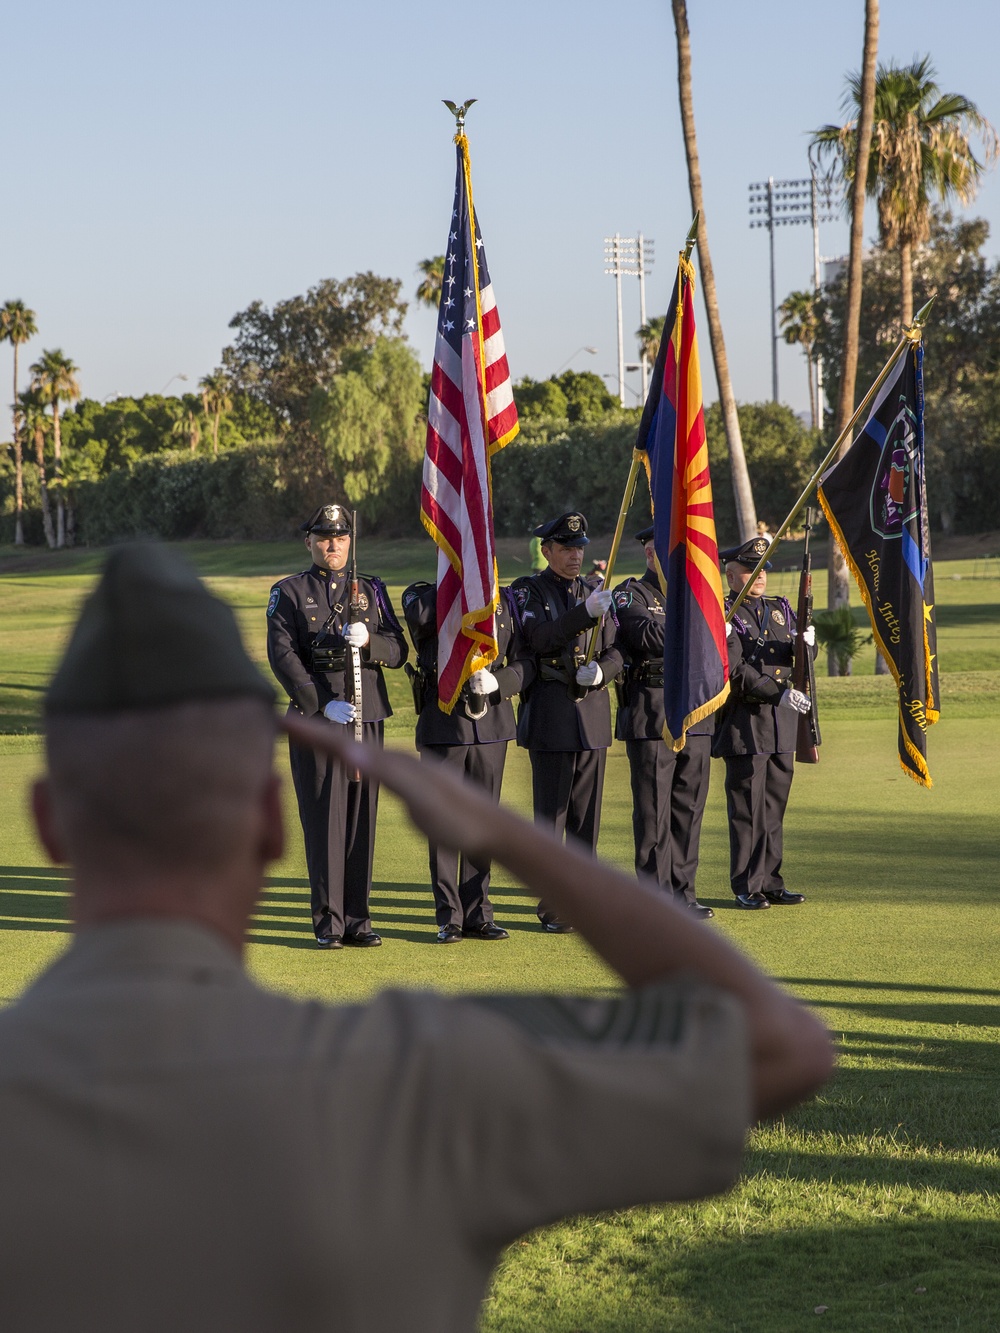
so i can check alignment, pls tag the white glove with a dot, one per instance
(340, 710)
(590, 674)
(598, 602)
(809, 636)
(729, 628)
(483, 682)
(795, 699)
(356, 635)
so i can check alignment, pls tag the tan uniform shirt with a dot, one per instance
(183, 1151)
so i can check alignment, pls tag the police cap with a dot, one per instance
(329, 521)
(646, 535)
(568, 529)
(151, 635)
(748, 554)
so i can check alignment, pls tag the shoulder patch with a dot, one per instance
(414, 591)
(623, 598)
(273, 600)
(519, 593)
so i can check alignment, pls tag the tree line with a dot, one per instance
(327, 395)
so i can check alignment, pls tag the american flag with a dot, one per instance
(470, 416)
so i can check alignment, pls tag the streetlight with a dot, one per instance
(786, 204)
(170, 381)
(591, 350)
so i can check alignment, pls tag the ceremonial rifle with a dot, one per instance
(353, 616)
(803, 676)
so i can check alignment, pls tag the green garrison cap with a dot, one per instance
(151, 635)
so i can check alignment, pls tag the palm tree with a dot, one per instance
(17, 325)
(922, 145)
(216, 398)
(838, 579)
(187, 426)
(54, 377)
(746, 514)
(36, 425)
(650, 336)
(839, 635)
(429, 291)
(800, 325)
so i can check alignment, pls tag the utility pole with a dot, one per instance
(787, 204)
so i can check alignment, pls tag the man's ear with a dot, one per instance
(45, 822)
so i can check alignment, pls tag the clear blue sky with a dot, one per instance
(171, 163)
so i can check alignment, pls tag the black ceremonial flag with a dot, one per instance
(875, 501)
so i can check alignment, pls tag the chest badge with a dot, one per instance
(362, 602)
(778, 617)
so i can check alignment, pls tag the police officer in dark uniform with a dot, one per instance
(668, 788)
(473, 738)
(565, 716)
(312, 628)
(756, 729)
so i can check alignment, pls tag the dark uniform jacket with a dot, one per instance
(639, 610)
(760, 671)
(555, 629)
(307, 612)
(435, 727)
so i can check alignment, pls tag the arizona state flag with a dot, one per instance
(875, 501)
(672, 441)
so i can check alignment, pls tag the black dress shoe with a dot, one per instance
(558, 927)
(450, 935)
(699, 909)
(785, 899)
(751, 902)
(489, 931)
(363, 939)
(329, 942)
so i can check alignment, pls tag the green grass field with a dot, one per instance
(878, 1204)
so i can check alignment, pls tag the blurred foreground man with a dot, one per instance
(756, 730)
(313, 632)
(669, 788)
(191, 1152)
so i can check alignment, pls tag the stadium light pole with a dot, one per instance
(790, 203)
(621, 253)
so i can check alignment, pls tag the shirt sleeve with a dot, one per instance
(567, 1105)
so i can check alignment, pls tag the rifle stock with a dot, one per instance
(808, 737)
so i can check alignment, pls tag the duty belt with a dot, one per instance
(649, 672)
(329, 659)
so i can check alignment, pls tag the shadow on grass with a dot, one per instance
(904, 1275)
(947, 857)
(976, 613)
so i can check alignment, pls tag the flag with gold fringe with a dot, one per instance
(471, 414)
(673, 444)
(876, 503)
